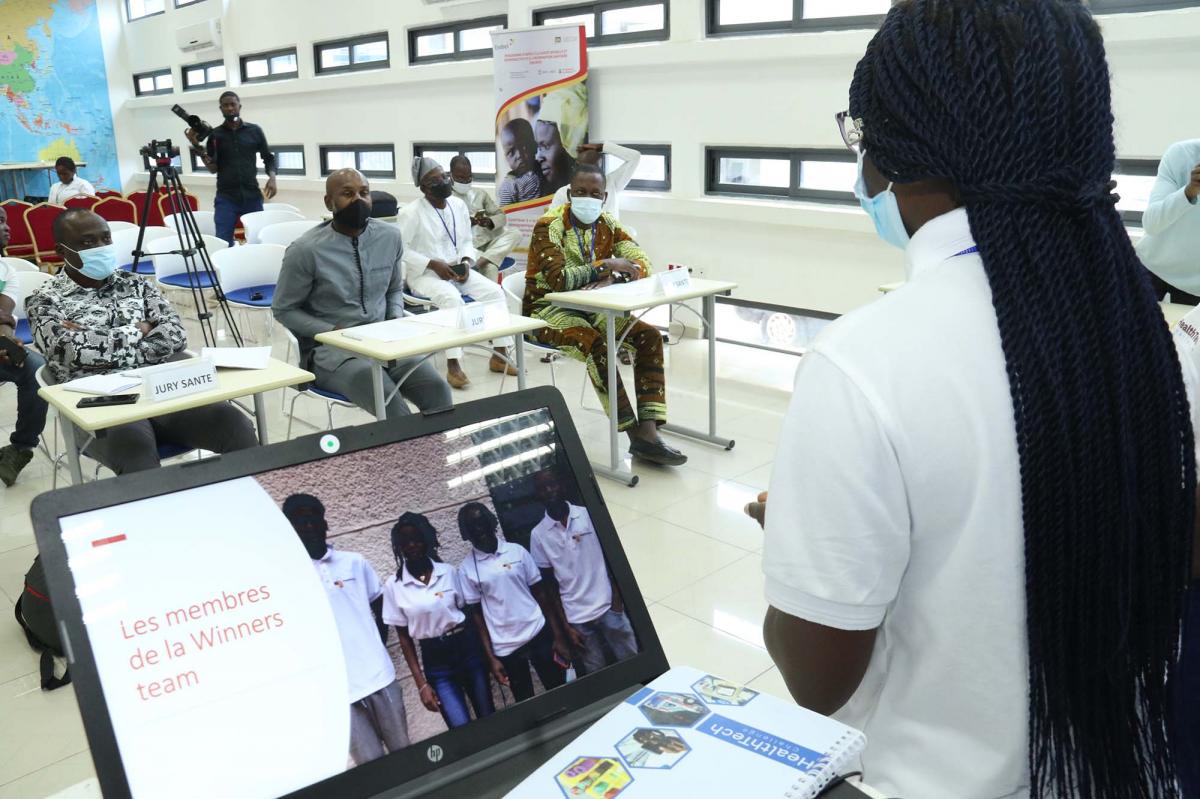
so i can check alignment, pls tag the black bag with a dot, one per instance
(383, 204)
(36, 618)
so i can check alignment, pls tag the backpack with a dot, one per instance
(36, 618)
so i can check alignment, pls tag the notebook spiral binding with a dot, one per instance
(816, 778)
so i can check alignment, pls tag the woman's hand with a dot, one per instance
(497, 670)
(429, 698)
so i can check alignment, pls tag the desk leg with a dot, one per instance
(72, 445)
(615, 470)
(711, 437)
(520, 343)
(260, 418)
(377, 390)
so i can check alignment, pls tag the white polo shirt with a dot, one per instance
(352, 585)
(500, 583)
(426, 610)
(896, 503)
(61, 192)
(574, 553)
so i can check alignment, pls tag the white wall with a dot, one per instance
(689, 92)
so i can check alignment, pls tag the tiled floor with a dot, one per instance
(695, 555)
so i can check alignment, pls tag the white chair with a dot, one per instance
(205, 220)
(171, 271)
(19, 265)
(117, 224)
(253, 223)
(312, 390)
(125, 240)
(24, 284)
(284, 233)
(282, 207)
(514, 295)
(249, 271)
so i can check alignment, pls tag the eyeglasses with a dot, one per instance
(851, 130)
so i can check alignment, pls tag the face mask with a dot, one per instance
(461, 189)
(586, 209)
(99, 263)
(883, 210)
(442, 190)
(354, 216)
(230, 117)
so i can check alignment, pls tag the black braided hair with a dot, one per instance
(1010, 101)
(422, 525)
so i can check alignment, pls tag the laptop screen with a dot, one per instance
(258, 635)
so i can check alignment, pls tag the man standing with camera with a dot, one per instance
(230, 153)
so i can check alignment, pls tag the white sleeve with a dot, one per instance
(88, 188)
(838, 531)
(374, 587)
(537, 551)
(392, 614)
(528, 568)
(462, 215)
(55, 190)
(619, 178)
(413, 260)
(1187, 345)
(470, 591)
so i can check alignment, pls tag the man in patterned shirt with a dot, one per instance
(91, 320)
(577, 246)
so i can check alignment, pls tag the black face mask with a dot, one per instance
(442, 190)
(231, 117)
(354, 215)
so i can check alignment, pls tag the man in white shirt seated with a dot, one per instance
(616, 179)
(1172, 224)
(438, 256)
(489, 225)
(69, 184)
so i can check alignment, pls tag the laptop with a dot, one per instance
(213, 653)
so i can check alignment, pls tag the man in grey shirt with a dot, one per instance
(343, 274)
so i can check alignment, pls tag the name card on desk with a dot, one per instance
(179, 379)
(472, 316)
(673, 281)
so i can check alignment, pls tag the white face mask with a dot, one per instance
(461, 189)
(586, 209)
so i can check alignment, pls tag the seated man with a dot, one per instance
(31, 409)
(438, 256)
(91, 320)
(578, 246)
(493, 238)
(1172, 224)
(69, 184)
(616, 179)
(347, 273)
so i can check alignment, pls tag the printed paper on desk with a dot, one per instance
(180, 379)
(105, 385)
(238, 357)
(674, 281)
(389, 331)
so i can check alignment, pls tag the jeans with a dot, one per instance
(133, 447)
(539, 653)
(453, 665)
(226, 211)
(377, 720)
(607, 639)
(31, 409)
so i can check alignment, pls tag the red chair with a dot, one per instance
(39, 221)
(155, 217)
(165, 209)
(108, 193)
(82, 201)
(116, 209)
(20, 245)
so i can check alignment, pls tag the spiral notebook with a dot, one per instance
(693, 734)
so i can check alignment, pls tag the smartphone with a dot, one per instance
(16, 353)
(102, 402)
(460, 269)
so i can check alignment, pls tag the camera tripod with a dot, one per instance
(201, 275)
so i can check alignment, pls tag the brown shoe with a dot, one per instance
(458, 379)
(498, 364)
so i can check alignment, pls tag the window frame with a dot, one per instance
(454, 28)
(797, 24)
(463, 148)
(1136, 6)
(796, 155)
(186, 3)
(651, 185)
(358, 149)
(206, 66)
(153, 74)
(597, 9)
(1141, 167)
(290, 148)
(130, 18)
(351, 43)
(268, 55)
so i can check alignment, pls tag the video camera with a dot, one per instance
(202, 128)
(161, 152)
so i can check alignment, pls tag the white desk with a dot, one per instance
(623, 302)
(231, 384)
(436, 339)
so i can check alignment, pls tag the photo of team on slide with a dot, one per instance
(463, 572)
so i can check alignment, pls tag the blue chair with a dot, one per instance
(311, 390)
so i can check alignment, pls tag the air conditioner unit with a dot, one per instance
(201, 36)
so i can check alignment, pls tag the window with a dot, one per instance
(1135, 180)
(182, 3)
(1117, 6)
(198, 165)
(140, 9)
(458, 42)
(774, 16)
(818, 175)
(289, 160)
(209, 75)
(350, 55)
(373, 160)
(275, 65)
(613, 22)
(482, 155)
(653, 171)
(157, 82)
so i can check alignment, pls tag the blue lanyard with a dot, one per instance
(592, 255)
(967, 251)
(452, 236)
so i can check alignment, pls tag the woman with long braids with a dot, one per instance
(980, 525)
(423, 601)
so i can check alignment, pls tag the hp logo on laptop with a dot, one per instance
(435, 754)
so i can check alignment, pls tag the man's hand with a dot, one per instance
(1192, 190)
(624, 266)
(497, 670)
(562, 650)
(483, 220)
(4, 360)
(618, 604)
(470, 264)
(575, 639)
(429, 698)
(146, 327)
(593, 146)
(269, 190)
(599, 284)
(758, 510)
(191, 137)
(442, 269)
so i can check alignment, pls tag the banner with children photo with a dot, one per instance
(541, 119)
